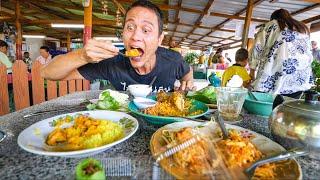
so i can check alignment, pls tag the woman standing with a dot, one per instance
(282, 57)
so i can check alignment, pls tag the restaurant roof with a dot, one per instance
(198, 24)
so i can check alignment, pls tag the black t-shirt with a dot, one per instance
(118, 70)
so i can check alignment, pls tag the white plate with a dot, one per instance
(32, 139)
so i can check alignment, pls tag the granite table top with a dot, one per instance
(15, 163)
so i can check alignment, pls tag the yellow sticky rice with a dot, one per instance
(85, 133)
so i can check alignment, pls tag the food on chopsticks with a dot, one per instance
(85, 133)
(174, 104)
(110, 100)
(90, 169)
(133, 53)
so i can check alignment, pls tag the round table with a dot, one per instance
(16, 163)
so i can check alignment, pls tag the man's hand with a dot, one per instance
(96, 51)
(187, 86)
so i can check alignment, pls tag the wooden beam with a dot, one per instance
(121, 8)
(314, 1)
(246, 26)
(19, 32)
(68, 41)
(315, 27)
(87, 31)
(308, 8)
(309, 20)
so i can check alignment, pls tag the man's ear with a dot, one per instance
(160, 39)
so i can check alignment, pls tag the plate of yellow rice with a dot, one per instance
(78, 134)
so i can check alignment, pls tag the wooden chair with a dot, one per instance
(20, 79)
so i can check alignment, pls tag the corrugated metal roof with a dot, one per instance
(221, 34)
(211, 39)
(187, 17)
(201, 31)
(229, 7)
(198, 4)
(211, 21)
(184, 28)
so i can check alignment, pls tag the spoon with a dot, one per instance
(277, 157)
(3, 135)
(223, 128)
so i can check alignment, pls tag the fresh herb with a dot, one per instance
(126, 123)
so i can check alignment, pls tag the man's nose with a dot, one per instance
(137, 35)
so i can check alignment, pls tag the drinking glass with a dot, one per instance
(230, 101)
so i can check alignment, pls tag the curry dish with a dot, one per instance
(85, 133)
(174, 104)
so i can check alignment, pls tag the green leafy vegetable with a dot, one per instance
(110, 100)
(316, 68)
(206, 95)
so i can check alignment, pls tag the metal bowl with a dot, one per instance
(296, 124)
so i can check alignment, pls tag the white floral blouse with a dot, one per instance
(282, 60)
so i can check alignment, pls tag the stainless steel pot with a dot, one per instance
(296, 124)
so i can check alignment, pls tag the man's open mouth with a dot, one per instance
(141, 52)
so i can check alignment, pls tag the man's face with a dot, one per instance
(44, 53)
(141, 30)
(314, 45)
(4, 50)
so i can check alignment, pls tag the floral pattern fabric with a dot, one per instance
(282, 60)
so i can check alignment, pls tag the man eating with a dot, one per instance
(143, 30)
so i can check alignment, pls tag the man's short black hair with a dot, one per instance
(151, 6)
(26, 52)
(241, 55)
(3, 44)
(45, 48)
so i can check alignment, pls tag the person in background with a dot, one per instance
(315, 51)
(45, 57)
(214, 58)
(281, 56)
(3, 56)
(142, 30)
(27, 59)
(238, 69)
(173, 46)
(222, 65)
(226, 55)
